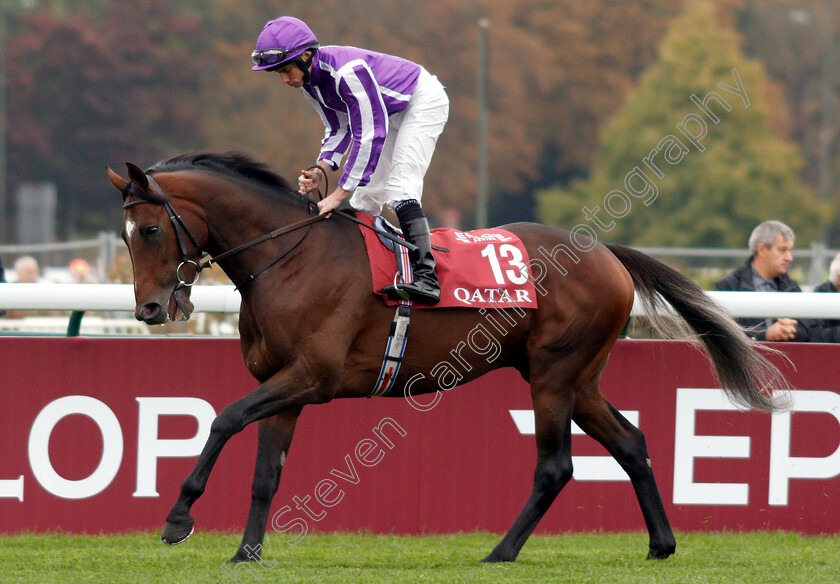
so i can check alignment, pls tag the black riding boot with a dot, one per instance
(425, 287)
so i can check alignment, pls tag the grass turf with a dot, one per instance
(597, 558)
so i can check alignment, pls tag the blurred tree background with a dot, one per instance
(579, 92)
(745, 173)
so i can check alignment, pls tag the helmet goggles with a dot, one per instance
(273, 57)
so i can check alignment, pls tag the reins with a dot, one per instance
(179, 225)
(270, 235)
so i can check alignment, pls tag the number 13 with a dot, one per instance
(514, 258)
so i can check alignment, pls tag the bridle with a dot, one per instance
(180, 228)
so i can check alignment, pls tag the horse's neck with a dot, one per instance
(239, 219)
(237, 214)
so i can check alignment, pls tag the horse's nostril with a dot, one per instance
(150, 312)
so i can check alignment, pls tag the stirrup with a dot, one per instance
(413, 293)
(398, 290)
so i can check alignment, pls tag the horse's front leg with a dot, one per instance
(275, 437)
(286, 391)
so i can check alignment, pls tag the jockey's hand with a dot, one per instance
(337, 197)
(309, 180)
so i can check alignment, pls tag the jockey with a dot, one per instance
(386, 111)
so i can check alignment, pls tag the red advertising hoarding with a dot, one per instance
(98, 433)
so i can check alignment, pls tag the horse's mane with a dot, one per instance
(233, 163)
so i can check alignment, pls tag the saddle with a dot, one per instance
(382, 224)
(485, 268)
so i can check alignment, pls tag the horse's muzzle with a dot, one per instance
(176, 307)
(151, 313)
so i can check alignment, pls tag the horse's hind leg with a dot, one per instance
(275, 436)
(552, 413)
(626, 443)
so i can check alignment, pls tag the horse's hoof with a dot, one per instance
(495, 558)
(659, 554)
(175, 533)
(241, 557)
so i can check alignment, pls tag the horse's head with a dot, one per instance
(163, 248)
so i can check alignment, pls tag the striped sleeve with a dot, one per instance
(337, 136)
(368, 119)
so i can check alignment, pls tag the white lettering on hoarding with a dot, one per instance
(150, 447)
(688, 446)
(12, 488)
(783, 466)
(39, 447)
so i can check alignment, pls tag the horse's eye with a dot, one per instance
(149, 232)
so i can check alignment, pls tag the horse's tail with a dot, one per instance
(746, 376)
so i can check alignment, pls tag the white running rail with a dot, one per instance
(225, 299)
(105, 297)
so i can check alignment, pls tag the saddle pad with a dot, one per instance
(483, 269)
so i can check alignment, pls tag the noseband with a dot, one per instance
(180, 227)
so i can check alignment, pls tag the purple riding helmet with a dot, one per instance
(283, 40)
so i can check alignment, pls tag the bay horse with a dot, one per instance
(312, 330)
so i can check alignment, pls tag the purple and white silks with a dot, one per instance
(354, 92)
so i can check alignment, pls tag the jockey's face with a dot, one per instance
(291, 74)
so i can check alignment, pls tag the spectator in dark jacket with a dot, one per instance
(833, 282)
(2, 280)
(770, 244)
(831, 285)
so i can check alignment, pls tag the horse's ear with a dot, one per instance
(119, 182)
(137, 176)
